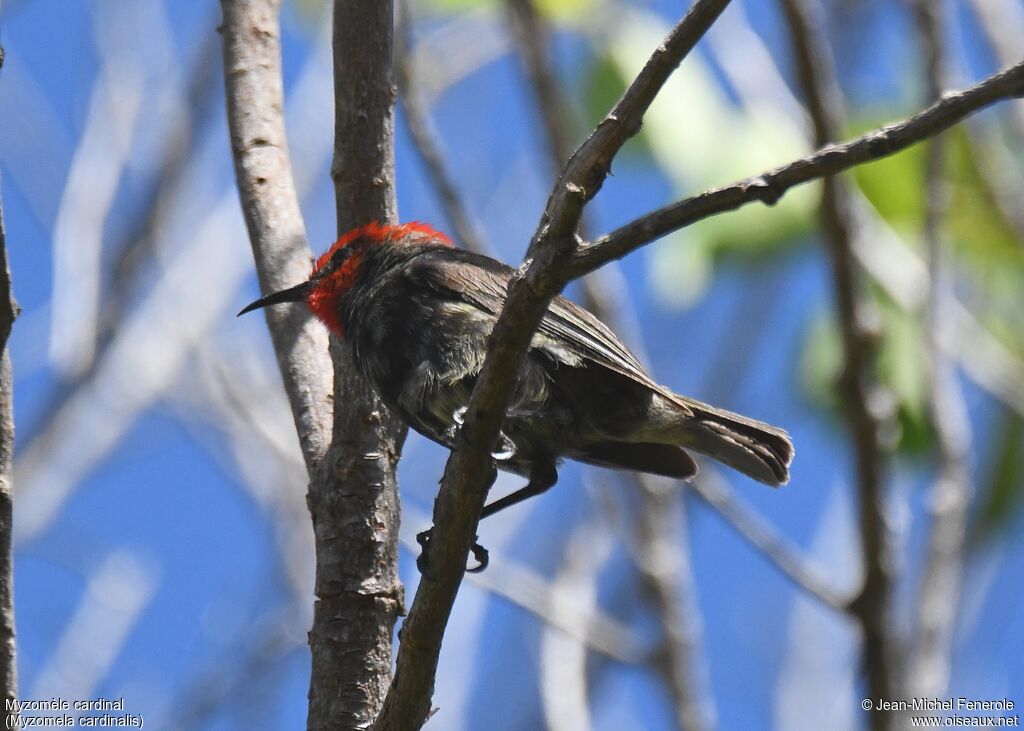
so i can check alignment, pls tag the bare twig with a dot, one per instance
(892, 263)
(553, 263)
(8, 648)
(469, 470)
(710, 487)
(873, 607)
(1001, 21)
(942, 577)
(426, 138)
(770, 185)
(664, 564)
(532, 38)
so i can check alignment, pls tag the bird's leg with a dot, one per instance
(479, 552)
(543, 476)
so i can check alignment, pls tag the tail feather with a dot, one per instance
(756, 449)
(658, 459)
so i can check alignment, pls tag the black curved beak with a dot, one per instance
(293, 294)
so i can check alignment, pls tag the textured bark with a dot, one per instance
(8, 312)
(255, 99)
(355, 505)
(351, 457)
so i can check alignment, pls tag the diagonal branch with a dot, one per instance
(425, 137)
(554, 261)
(710, 487)
(469, 471)
(664, 561)
(770, 185)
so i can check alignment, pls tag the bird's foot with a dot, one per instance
(480, 553)
(505, 449)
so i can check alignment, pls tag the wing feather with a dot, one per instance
(568, 332)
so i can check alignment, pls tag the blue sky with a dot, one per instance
(166, 573)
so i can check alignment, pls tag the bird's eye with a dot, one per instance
(339, 257)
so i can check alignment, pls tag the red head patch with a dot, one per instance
(335, 271)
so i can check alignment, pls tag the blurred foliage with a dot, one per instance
(989, 258)
(900, 366)
(687, 149)
(1003, 489)
(557, 10)
(988, 270)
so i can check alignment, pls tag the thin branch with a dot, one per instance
(425, 136)
(255, 98)
(1001, 21)
(860, 392)
(942, 579)
(892, 263)
(8, 648)
(710, 487)
(532, 38)
(830, 159)
(664, 565)
(469, 471)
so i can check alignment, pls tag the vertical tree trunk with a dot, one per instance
(355, 507)
(8, 311)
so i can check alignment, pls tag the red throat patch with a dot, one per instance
(322, 300)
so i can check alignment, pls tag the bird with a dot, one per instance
(417, 312)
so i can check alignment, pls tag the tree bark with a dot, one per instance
(350, 457)
(355, 505)
(8, 647)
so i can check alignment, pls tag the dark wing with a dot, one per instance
(569, 333)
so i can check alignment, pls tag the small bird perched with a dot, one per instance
(417, 313)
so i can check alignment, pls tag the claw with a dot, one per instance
(480, 554)
(506, 448)
(423, 560)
